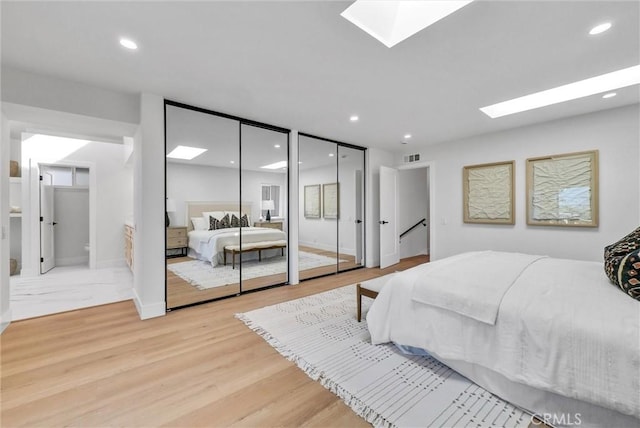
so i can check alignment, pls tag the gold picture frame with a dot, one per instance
(312, 201)
(562, 190)
(331, 200)
(488, 193)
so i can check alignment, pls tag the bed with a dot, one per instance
(550, 335)
(209, 245)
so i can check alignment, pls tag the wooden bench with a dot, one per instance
(252, 246)
(369, 288)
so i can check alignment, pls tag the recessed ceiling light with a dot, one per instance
(330, 155)
(354, 118)
(601, 28)
(129, 44)
(277, 146)
(232, 162)
(276, 165)
(407, 136)
(299, 162)
(185, 152)
(609, 95)
(390, 22)
(583, 88)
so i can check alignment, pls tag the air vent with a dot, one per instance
(412, 158)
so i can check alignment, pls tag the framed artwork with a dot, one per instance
(330, 200)
(312, 201)
(488, 193)
(562, 190)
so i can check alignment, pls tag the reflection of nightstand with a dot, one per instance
(177, 240)
(270, 225)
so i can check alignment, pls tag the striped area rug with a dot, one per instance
(320, 334)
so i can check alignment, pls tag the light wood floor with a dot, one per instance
(181, 293)
(199, 366)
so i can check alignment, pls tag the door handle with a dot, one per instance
(383, 222)
(54, 223)
(358, 221)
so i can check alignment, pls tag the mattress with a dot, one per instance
(561, 328)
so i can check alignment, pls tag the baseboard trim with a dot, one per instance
(148, 311)
(5, 320)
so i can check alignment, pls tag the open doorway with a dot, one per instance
(73, 199)
(405, 211)
(413, 211)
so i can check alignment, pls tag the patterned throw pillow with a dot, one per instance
(239, 222)
(629, 274)
(223, 223)
(619, 264)
(213, 223)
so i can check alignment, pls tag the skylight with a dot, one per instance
(393, 21)
(185, 152)
(583, 88)
(47, 148)
(277, 165)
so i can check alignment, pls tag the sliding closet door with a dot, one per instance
(263, 215)
(203, 191)
(350, 196)
(319, 207)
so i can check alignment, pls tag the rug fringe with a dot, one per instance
(350, 400)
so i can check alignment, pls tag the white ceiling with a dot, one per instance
(300, 65)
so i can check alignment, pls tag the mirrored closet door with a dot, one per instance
(331, 211)
(264, 164)
(219, 242)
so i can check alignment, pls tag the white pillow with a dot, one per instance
(199, 223)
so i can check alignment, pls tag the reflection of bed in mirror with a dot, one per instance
(220, 246)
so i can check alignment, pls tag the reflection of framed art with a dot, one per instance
(562, 190)
(488, 193)
(312, 201)
(330, 200)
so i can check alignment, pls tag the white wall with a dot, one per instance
(412, 206)
(27, 88)
(320, 232)
(613, 132)
(207, 183)
(149, 217)
(71, 213)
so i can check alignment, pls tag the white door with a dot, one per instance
(47, 253)
(358, 219)
(389, 238)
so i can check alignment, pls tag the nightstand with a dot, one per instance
(270, 225)
(177, 240)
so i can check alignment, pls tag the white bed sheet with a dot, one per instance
(209, 244)
(562, 327)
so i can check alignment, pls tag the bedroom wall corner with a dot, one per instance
(149, 194)
(374, 159)
(5, 310)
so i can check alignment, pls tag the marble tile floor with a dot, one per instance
(66, 288)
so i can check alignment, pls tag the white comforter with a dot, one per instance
(209, 244)
(561, 327)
